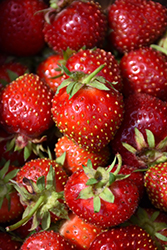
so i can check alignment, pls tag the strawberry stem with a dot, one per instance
(28, 217)
(87, 79)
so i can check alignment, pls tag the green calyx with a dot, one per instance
(146, 151)
(40, 200)
(99, 182)
(78, 80)
(5, 186)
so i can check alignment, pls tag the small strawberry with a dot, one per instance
(76, 156)
(25, 108)
(129, 237)
(49, 72)
(101, 197)
(40, 183)
(144, 70)
(143, 112)
(79, 233)
(135, 23)
(10, 206)
(155, 183)
(80, 23)
(87, 60)
(46, 240)
(21, 24)
(86, 110)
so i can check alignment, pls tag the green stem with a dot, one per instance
(159, 48)
(28, 217)
(93, 74)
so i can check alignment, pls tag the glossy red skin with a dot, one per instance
(26, 106)
(144, 112)
(88, 111)
(145, 71)
(40, 167)
(47, 69)
(111, 214)
(135, 23)
(89, 59)
(130, 237)
(79, 24)
(8, 243)
(46, 240)
(79, 233)
(76, 156)
(155, 183)
(21, 27)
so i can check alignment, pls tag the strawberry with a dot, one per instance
(46, 240)
(129, 237)
(144, 70)
(26, 109)
(21, 24)
(40, 183)
(135, 23)
(87, 60)
(79, 233)
(86, 110)
(154, 222)
(8, 242)
(9, 71)
(81, 23)
(49, 72)
(143, 112)
(76, 156)
(100, 197)
(155, 183)
(10, 206)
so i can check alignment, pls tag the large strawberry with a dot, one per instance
(86, 110)
(129, 237)
(100, 196)
(40, 183)
(21, 24)
(143, 112)
(81, 23)
(135, 23)
(145, 71)
(25, 109)
(46, 240)
(87, 60)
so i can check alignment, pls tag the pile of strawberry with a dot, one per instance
(83, 118)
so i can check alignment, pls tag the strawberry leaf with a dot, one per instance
(96, 204)
(107, 195)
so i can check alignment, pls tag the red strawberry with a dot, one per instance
(154, 222)
(10, 206)
(21, 24)
(143, 112)
(40, 183)
(49, 72)
(135, 23)
(9, 71)
(155, 183)
(8, 242)
(76, 156)
(89, 59)
(26, 109)
(129, 237)
(100, 197)
(46, 240)
(86, 110)
(79, 233)
(81, 23)
(144, 70)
